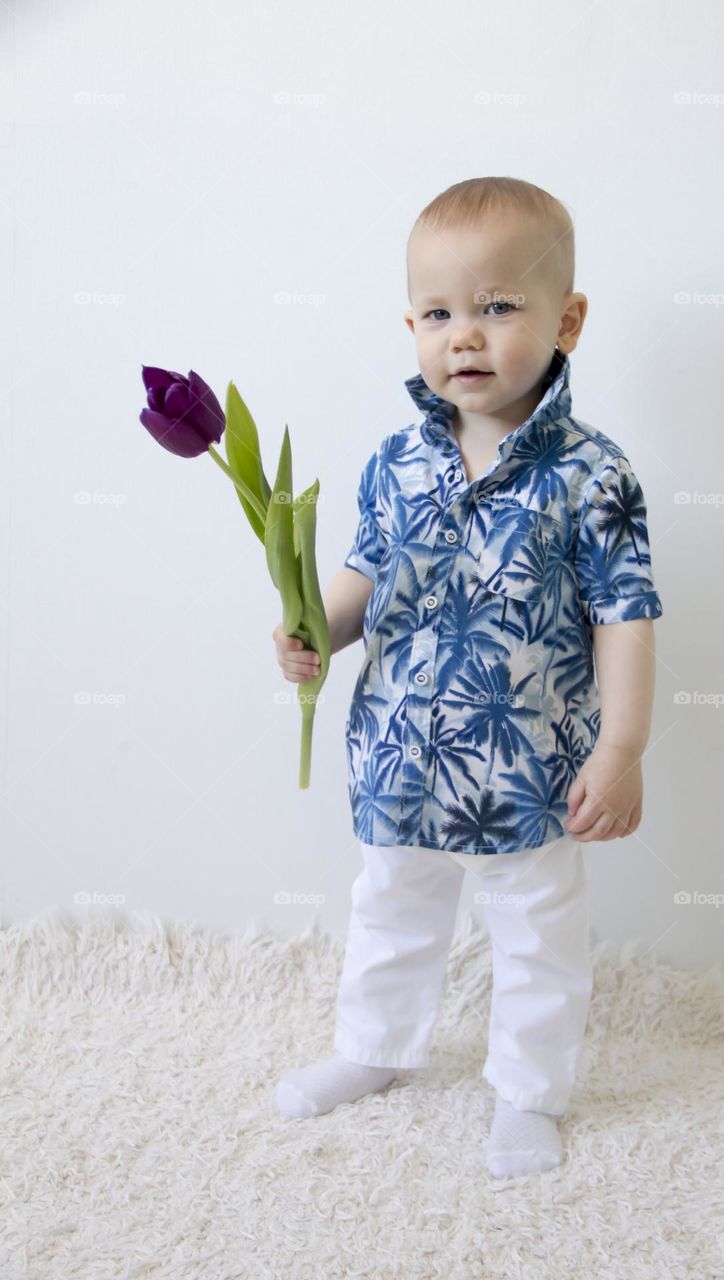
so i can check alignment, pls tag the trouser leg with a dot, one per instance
(536, 908)
(404, 906)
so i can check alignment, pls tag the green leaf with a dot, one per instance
(279, 541)
(314, 620)
(242, 450)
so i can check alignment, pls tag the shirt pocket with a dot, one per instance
(513, 558)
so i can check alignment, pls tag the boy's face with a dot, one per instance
(489, 297)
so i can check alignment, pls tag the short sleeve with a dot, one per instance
(612, 556)
(370, 543)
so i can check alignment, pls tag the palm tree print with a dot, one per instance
(480, 821)
(476, 704)
(495, 710)
(539, 804)
(622, 512)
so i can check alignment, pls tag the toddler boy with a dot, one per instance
(502, 545)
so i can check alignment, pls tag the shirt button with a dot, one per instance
(458, 474)
(431, 602)
(414, 751)
(421, 677)
(450, 535)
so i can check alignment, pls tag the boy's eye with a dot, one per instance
(438, 311)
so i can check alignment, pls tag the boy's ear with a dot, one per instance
(408, 317)
(572, 322)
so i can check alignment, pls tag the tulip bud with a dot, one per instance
(183, 414)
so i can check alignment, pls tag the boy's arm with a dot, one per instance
(345, 601)
(625, 671)
(606, 799)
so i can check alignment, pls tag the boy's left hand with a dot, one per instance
(605, 800)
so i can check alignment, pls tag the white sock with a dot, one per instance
(521, 1141)
(310, 1091)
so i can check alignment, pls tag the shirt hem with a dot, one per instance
(646, 604)
(486, 850)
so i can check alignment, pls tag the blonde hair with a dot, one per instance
(466, 203)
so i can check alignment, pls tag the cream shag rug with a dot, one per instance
(139, 1137)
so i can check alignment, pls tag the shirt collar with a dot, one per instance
(554, 403)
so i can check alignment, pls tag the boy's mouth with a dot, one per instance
(472, 375)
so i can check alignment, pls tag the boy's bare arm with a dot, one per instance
(625, 670)
(605, 801)
(345, 601)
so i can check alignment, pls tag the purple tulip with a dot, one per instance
(183, 414)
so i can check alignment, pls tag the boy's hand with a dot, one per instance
(297, 663)
(605, 800)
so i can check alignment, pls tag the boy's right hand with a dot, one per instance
(297, 663)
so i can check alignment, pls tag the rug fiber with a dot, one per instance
(140, 1140)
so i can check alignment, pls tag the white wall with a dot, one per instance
(149, 165)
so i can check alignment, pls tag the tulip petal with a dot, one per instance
(177, 403)
(205, 409)
(154, 377)
(156, 397)
(180, 438)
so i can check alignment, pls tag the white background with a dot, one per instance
(168, 171)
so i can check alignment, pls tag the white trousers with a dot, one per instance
(536, 908)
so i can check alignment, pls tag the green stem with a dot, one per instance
(305, 759)
(243, 488)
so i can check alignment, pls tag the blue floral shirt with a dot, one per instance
(477, 703)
